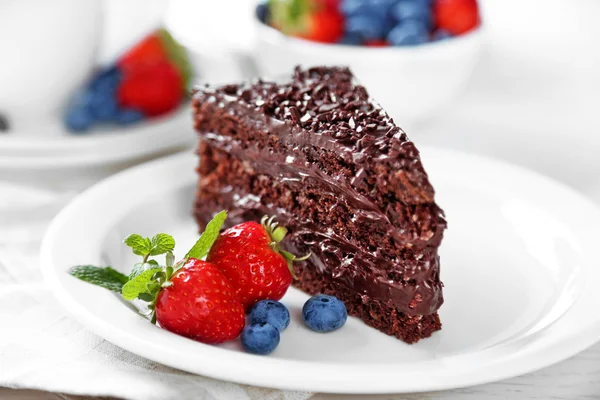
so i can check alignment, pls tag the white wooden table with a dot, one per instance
(576, 378)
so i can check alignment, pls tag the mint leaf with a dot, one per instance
(206, 240)
(141, 267)
(140, 245)
(161, 243)
(107, 278)
(138, 285)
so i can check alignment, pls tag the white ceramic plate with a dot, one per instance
(518, 262)
(52, 146)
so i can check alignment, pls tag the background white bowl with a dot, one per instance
(411, 83)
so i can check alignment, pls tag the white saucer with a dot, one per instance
(519, 264)
(52, 146)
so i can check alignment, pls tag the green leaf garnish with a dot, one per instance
(141, 246)
(206, 240)
(107, 277)
(148, 277)
(161, 243)
(134, 287)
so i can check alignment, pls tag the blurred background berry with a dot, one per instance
(371, 22)
(148, 80)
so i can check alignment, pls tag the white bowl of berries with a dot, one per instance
(415, 56)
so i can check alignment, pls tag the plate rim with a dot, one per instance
(37, 152)
(226, 369)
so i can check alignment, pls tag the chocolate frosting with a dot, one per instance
(323, 109)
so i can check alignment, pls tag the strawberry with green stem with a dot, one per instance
(251, 257)
(158, 47)
(316, 20)
(191, 297)
(156, 75)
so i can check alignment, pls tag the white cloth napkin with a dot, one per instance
(42, 348)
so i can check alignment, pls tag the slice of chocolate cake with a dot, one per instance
(327, 160)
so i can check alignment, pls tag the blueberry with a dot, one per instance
(106, 80)
(440, 34)
(3, 124)
(351, 38)
(376, 8)
(103, 106)
(260, 338)
(381, 8)
(78, 119)
(82, 99)
(324, 313)
(408, 33)
(412, 10)
(129, 116)
(388, 24)
(262, 12)
(102, 92)
(368, 27)
(354, 7)
(272, 312)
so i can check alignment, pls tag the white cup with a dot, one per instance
(47, 50)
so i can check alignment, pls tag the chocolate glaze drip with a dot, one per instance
(286, 129)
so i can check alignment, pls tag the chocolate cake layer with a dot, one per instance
(346, 181)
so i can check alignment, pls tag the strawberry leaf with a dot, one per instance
(279, 233)
(206, 240)
(141, 246)
(132, 289)
(161, 243)
(177, 55)
(107, 278)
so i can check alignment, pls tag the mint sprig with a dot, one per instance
(107, 277)
(160, 243)
(139, 245)
(148, 277)
(140, 284)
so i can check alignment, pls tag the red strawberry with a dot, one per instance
(331, 4)
(456, 16)
(150, 50)
(151, 88)
(317, 20)
(200, 304)
(325, 26)
(248, 254)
